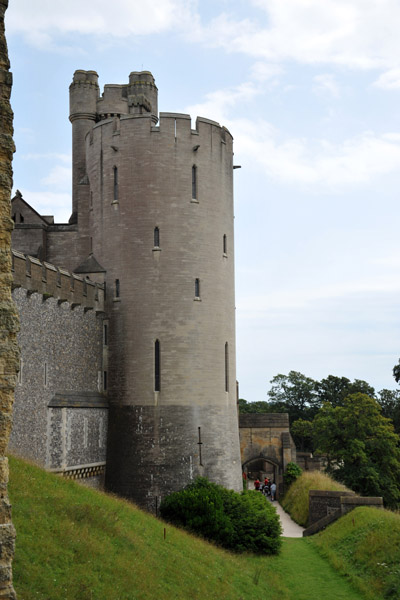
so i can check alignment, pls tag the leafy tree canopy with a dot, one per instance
(253, 407)
(302, 433)
(297, 393)
(389, 401)
(396, 372)
(362, 447)
(334, 389)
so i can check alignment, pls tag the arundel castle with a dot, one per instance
(127, 377)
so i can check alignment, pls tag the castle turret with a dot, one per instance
(83, 95)
(143, 94)
(160, 222)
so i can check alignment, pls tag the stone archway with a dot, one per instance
(266, 444)
(260, 467)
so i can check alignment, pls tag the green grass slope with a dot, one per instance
(364, 545)
(295, 501)
(74, 543)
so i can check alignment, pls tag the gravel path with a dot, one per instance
(290, 528)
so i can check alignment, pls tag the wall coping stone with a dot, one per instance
(363, 500)
(263, 420)
(44, 278)
(330, 494)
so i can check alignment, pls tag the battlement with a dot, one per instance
(182, 122)
(85, 77)
(50, 281)
(176, 125)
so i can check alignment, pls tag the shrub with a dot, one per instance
(292, 472)
(238, 522)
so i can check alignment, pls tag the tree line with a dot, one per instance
(356, 428)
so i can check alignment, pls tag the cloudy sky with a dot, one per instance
(310, 90)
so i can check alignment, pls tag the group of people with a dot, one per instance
(267, 488)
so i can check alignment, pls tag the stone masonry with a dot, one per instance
(266, 445)
(8, 315)
(61, 411)
(152, 218)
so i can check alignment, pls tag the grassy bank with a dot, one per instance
(73, 542)
(364, 545)
(295, 501)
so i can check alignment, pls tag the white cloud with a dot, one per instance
(220, 102)
(50, 203)
(361, 34)
(340, 32)
(357, 160)
(390, 80)
(308, 161)
(327, 84)
(59, 177)
(43, 20)
(265, 71)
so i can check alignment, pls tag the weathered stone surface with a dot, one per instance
(7, 542)
(61, 359)
(266, 445)
(131, 179)
(8, 316)
(324, 502)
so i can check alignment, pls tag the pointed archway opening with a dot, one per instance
(260, 467)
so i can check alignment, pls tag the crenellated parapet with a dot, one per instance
(175, 125)
(50, 281)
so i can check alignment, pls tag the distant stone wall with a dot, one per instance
(307, 462)
(322, 503)
(326, 506)
(265, 438)
(61, 411)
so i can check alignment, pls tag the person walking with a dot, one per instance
(273, 491)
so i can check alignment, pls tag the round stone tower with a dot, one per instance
(161, 225)
(83, 96)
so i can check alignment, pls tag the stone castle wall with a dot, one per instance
(60, 413)
(153, 218)
(266, 446)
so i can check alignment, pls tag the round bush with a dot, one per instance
(240, 522)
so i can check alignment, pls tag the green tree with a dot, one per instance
(390, 404)
(296, 394)
(396, 372)
(362, 447)
(302, 434)
(261, 406)
(335, 389)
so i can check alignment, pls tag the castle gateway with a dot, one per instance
(144, 383)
